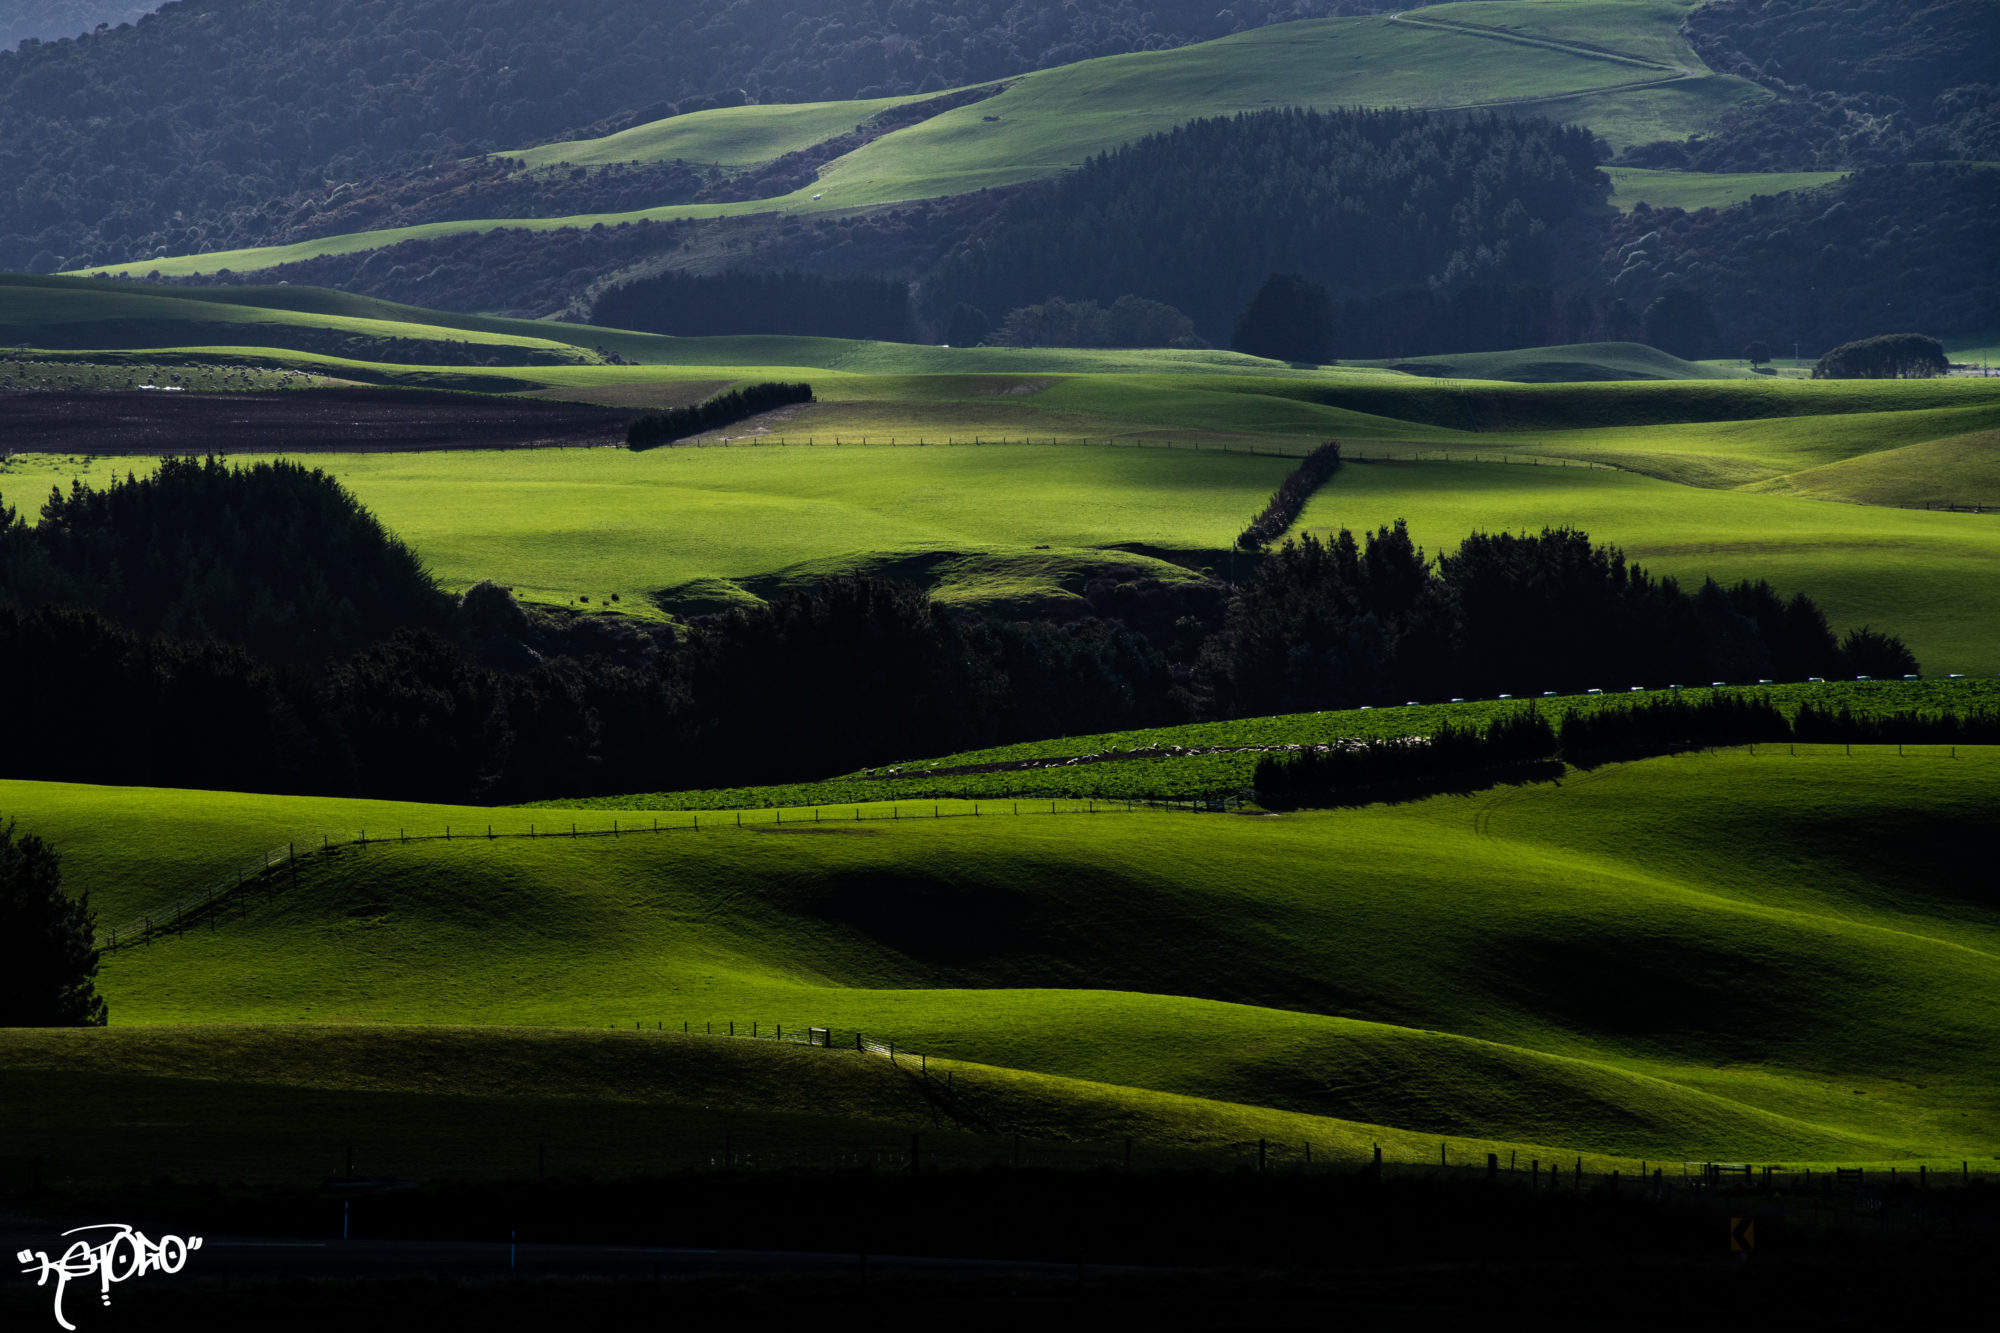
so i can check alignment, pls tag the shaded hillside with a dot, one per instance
(183, 131)
(1360, 201)
(1891, 250)
(47, 20)
(1861, 81)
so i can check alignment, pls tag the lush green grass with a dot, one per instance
(1765, 454)
(1693, 190)
(1770, 956)
(559, 523)
(81, 313)
(1616, 65)
(1957, 471)
(737, 136)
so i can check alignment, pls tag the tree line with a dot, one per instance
(724, 409)
(739, 302)
(1289, 500)
(1889, 356)
(275, 557)
(1860, 83)
(391, 689)
(1916, 245)
(1356, 201)
(1522, 744)
(1339, 623)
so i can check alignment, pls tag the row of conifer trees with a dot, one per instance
(1523, 744)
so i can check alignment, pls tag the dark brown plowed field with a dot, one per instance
(295, 421)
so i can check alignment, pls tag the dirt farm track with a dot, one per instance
(295, 421)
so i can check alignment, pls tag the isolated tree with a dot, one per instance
(48, 960)
(1757, 353)
(1868, 652)
(1289, 318)
(1891, 356)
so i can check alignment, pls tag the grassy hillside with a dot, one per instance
(1692, 190)
(1615, 65)
(737, 136)
(283, 1104)
(557, 525)
(1574, 363)
(1706, 955)
(1210, 759)
(1958, 470)
(70, 313)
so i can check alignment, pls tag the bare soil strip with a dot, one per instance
(295, 421)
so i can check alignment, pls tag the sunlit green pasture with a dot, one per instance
(567, 524)
(1956, 471)
(1773, 956)
(736, 136)
(556, 524)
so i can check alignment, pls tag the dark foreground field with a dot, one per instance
(295, 421)
(1063, 1249)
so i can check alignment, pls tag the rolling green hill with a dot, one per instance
(557, 525)
(1763, 956)
(1576, 363)
(1618, 66)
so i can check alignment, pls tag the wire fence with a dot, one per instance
(954, 1091)
(234, 890)
(1410, 452)
(189, 905)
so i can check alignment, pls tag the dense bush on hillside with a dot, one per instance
(1358, 201)
(1130, 321)
(1862, 81)
(535, 273)
(690, 305)
(1480, 317)
(1888, 356)
(1910, 247)
(458, 189)
(1333, 625)
(184, 131)
(47, 20)
(273, 557)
